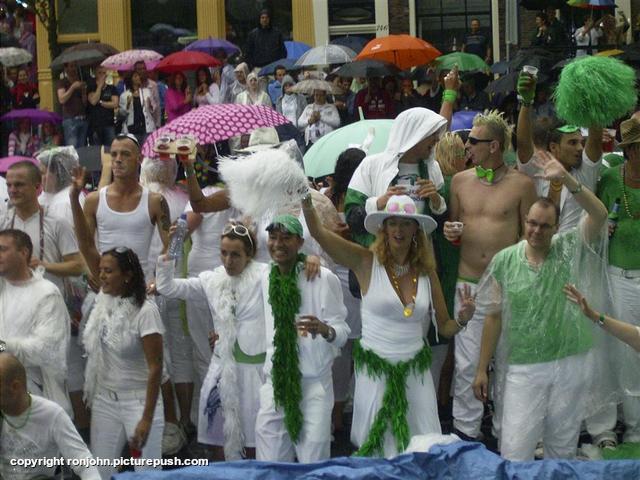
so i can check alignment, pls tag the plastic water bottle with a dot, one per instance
(612, 220)
(175, 246)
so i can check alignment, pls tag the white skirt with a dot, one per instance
(422, 414)
(250, 379)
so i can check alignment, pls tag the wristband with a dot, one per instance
(449, 96)
(461, 326)
(577, 190)
(601, 318)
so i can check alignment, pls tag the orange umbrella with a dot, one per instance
(404, 51)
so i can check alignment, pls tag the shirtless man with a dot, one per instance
(491, 201)
(125, 214)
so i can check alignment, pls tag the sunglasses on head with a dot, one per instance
(239, 230)
(128, 136)
(475, 141)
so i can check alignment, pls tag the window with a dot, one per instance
(352, 12)
(159, 24)
(77, 16)
(244, 15)
(444, 23)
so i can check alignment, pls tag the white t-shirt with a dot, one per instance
(125, 366)
(570, 211)
(48, 433)
(205, 246)
(4, 195)
(58, 204)
(59, 238)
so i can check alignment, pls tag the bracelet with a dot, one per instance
(461, 326)
(600, 321)
(577, 190)
(331, 336)
(189, 171)
(449, 96)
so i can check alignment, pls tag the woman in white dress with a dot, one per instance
(400, 292)
(229, 396)
(123, 341)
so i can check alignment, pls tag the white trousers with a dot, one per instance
(543, 401)
(200, 324)
(625, 291)
(273, 443)
(177, 340)
(114, 417)
(467, 409)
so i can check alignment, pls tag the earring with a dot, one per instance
(415, 241)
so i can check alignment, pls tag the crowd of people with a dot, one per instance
(435, 270)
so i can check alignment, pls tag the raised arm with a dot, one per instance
(349, 254)
(526, 90)
(200, 203)
(446, 325)
(596, 211)
(450, 95)
(85, 222)
(161, 216)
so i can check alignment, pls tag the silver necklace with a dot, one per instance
(401, 270)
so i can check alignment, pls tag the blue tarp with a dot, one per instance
(459, 461)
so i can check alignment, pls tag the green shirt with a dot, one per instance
(624, 244)
(541, 325)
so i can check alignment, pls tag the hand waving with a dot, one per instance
(77, 181)
(550, 167)
(574, 295)
(467, 304)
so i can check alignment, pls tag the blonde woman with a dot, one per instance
(400, 292)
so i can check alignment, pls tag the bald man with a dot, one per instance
(32, 427)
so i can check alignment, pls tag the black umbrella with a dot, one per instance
(367, 68)
(89, 53)
(508, 83)
(7, 40)
(536, 57)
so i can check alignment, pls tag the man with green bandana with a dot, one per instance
(543, 341)
(566, 144)
(305, 328)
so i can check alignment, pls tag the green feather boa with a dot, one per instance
(394, 401)
(595, 91)
(285, 300)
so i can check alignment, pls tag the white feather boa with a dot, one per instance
(264, 183)
(229, 291)
(109, 314)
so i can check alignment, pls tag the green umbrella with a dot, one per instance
(320, 159)
(467, 62)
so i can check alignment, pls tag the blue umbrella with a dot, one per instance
(463, 120)
(355, 43)
(211, 45)
(270, 69)
(296, 49)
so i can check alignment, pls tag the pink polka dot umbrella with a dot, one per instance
(215, 123)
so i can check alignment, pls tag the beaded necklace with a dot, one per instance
(26, 420)
(625, 200)
(408, 309)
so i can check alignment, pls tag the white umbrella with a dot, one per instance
(326, 55)
(12, 56)
(308, 86)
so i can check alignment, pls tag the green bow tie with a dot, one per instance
(486, 173)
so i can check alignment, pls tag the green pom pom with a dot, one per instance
(595, 91)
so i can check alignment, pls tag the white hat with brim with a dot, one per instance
(262, 139)
(401, 206)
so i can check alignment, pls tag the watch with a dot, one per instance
(3, 346)
(331, 336)
(577, 190)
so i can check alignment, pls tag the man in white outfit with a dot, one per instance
(305, 327)
(34, 428)
(34, 323)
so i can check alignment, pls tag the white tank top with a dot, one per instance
(385, 329)
(132, 229)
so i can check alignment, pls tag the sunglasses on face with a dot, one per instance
(475, 141)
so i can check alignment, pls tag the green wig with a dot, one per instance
(595, 91)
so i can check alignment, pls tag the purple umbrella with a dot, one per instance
(34, 114)
(214, 123)
(6, 162)
(211, 45)
(124, 61)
